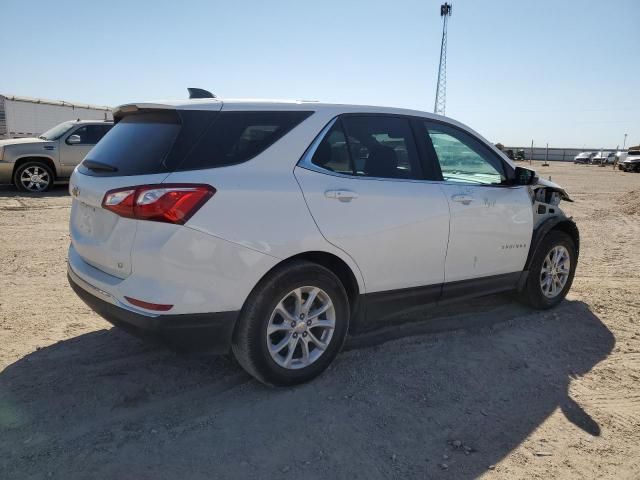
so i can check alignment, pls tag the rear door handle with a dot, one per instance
(342, 195)
(462, 198)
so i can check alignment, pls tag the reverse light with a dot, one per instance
(169, 203)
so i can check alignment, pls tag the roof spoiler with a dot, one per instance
(199, 93)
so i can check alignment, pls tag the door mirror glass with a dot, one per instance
(73, 140)
(524, 176)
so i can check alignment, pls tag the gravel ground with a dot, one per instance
(488, 389)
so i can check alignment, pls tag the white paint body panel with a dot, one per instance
(490, 235)
(101, 237)
(396, 231)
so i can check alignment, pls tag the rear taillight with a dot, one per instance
(169, 203)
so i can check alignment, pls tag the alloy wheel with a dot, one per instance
(35, 179)
(555, 271)
(301, 327)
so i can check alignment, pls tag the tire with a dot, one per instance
(543, 297)
(252, 345)
(40, 170)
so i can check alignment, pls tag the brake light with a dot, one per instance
(169, 203)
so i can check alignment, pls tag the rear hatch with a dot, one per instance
(142, 148)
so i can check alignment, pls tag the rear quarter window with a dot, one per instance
(179, 140)
(235, 137)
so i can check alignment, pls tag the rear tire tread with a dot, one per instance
(247, 339)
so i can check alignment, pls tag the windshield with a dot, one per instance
(57, 131)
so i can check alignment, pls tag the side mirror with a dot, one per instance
(524, 176)
(73, 139)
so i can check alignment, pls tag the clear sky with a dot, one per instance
(565, 72)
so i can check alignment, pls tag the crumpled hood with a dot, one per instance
(554, 186)
(18, 141)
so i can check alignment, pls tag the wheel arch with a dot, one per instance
(563, 224)
(35, 158)
(332, 262)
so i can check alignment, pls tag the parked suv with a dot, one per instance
(584, 157)
(33, 164)
(271, 229)
(602, 158)
(631, 162)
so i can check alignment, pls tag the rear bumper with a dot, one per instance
(202, 332)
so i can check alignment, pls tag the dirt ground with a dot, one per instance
(489, 389)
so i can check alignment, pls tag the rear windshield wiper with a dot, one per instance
(99, 166)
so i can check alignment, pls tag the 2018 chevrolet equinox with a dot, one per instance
(270, 228)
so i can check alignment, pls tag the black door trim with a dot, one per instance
(477, 287)
(377, 306)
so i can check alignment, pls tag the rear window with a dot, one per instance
(168, 141)
(138, 144)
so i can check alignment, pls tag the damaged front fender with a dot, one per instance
(548, 185)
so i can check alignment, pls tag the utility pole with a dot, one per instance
(546, 156)
(441, 89)
(625, 141)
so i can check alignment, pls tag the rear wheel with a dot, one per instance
(551, 271)
(35, 177)
(293, 325)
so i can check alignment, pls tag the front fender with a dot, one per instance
(564, 224)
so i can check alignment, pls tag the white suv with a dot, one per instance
(271, 229)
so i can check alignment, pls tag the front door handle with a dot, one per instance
(462, 198)
(342, 195)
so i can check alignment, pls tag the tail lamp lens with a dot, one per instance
(168, 203)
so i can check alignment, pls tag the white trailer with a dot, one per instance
(29, 117)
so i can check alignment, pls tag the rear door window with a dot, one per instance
(370, 146)
(382, 146)
(332, 152)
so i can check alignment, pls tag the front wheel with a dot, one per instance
(35, 177)
(551, 271)
(293, 324)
